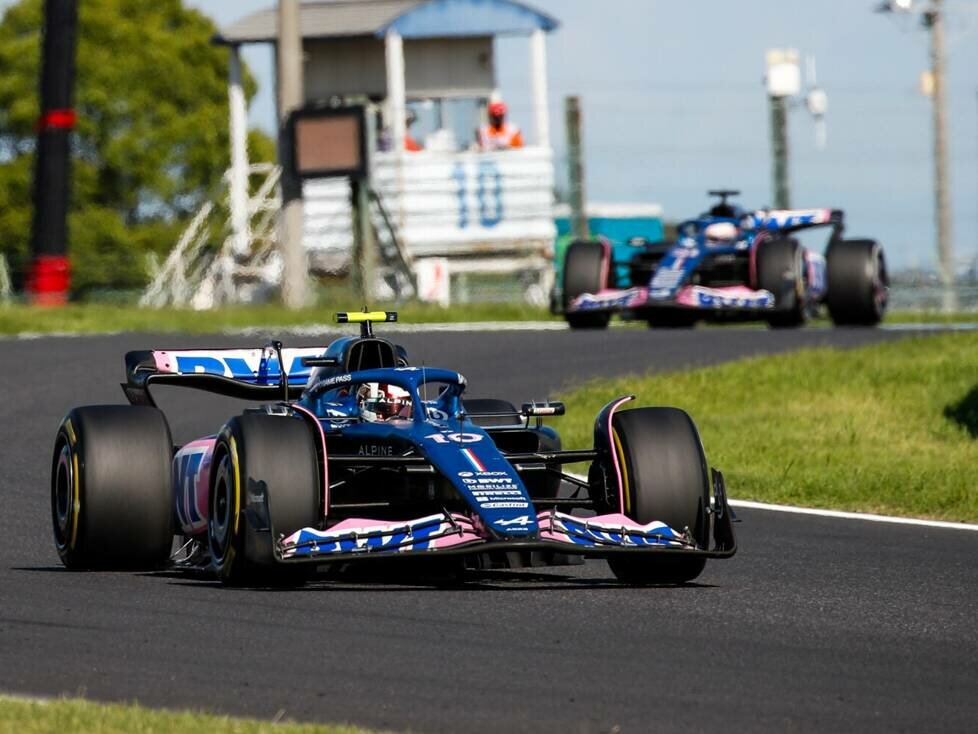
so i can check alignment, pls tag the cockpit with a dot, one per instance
(384, 395)
(378, 402)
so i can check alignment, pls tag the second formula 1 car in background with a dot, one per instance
(729, 264)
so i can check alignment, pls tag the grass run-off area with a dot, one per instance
(74, 715)
(98, 317)
(890, 428)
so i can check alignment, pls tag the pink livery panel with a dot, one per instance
(191, 487)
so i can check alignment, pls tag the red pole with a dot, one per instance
(49, 276)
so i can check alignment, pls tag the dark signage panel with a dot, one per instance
(330, 142)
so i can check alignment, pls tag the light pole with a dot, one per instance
(49, 276)
(783, 81)
(932, 19)
(295, 286)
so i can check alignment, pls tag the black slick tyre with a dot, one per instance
(858, 282)
(111, 488)
(265, 484)
(585, 271)
(666, 479)
(781, 270)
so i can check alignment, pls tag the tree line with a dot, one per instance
(151, 140)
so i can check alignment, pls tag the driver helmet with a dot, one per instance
(380, 402)
(721, 232)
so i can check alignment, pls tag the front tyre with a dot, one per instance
(585, 271)
(667, 479)
(111, 488)
(858, 282)
(265, 484)
(781, 270)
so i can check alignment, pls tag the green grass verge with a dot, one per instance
(100, 317)
(891, 428)
(96, 317)
(18, 716)
(932, 317)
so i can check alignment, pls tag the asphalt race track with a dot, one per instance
(817, 624)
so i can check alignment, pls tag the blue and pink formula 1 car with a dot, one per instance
(357, 455)
(729, 264)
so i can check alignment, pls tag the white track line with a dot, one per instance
(966, 326)
(751, 505)
(853, 515)
(332, 328)
(33, 335)
(317, 329)
(21, 698)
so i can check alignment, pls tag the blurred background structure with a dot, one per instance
(672, 95)
(475, 212)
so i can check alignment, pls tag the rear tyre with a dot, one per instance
(585, 271)
(858, 282)
(781, 270)
(261, 461)
(667, 479)
(111, 488)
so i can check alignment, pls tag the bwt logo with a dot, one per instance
(237, 367)
(621, 299)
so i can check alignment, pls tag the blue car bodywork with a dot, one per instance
(437, 477)
(710, 270)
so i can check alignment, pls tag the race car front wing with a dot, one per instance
(727, 298)
(454, 533)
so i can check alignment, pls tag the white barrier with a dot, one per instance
(486, 212)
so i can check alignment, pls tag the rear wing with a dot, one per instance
(789, 220)
(247, 374)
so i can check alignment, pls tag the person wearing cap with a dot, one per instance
(499, 134)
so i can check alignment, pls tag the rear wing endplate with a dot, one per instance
(247, 374)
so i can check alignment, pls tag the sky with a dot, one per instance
(674, 104)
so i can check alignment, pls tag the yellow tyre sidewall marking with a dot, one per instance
(228, 561)
(76, 500)
(624, 471)
(237, 484)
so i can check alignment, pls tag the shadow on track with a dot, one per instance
(42, 569)
(507, 581)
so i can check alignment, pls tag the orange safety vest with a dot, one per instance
(412, 145)
(500, 138)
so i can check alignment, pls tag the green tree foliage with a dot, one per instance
(151, 142)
